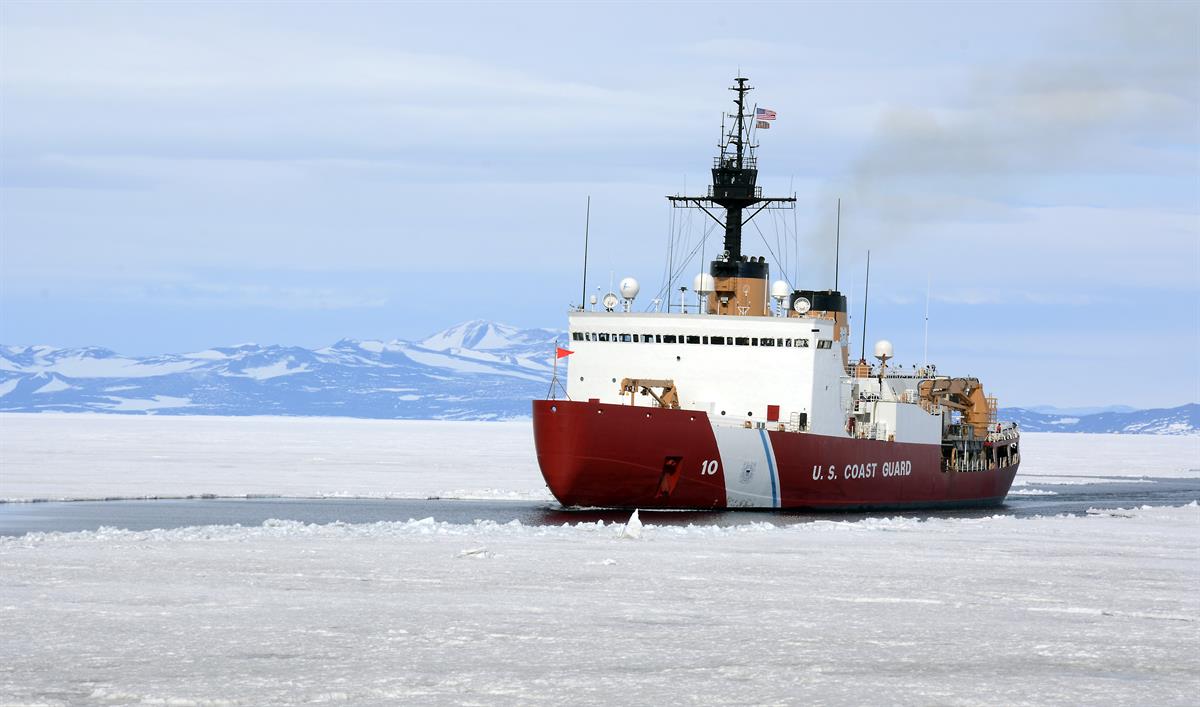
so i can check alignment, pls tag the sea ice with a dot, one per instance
(1099, 609)
(79, 456)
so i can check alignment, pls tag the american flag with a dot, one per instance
(764, 114)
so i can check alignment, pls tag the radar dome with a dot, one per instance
(630, 288)
(780, 290)
(703, 284)
(883, 349)
(801, 305)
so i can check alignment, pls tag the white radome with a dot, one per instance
(780, 290)
(703, 284)
(630, 288)
(883, 349)
(801, 305)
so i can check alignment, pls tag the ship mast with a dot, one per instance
(740, 281)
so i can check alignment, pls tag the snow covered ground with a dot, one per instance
(996, 610)
(1068, 610)
(55, 456)
(73, 456)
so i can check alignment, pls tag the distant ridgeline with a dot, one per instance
(474, 371)
(1181, 420)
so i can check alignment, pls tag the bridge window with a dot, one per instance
(576, 336)
(668, 338)
(693, 339)
(768, 342)
(742, 341)
(603, 337)
(647, 338)
(802, 343)
(824, 344)
(719, 340)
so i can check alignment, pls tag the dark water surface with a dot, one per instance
(21, 518)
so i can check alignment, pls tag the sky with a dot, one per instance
(175, 176)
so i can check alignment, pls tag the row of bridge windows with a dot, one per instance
(699, 339)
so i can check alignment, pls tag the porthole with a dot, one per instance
(749, 414)
(614, 380)
(580, 379)
(553, 408)
(678, 359)
(722, 412)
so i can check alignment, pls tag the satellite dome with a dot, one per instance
(703, 284)
(780, 290)
(883, 349)
(630, 288)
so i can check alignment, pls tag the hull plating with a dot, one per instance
(594, 454)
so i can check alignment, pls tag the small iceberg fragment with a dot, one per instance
(633, 527)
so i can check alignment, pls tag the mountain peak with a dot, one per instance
(482, 335)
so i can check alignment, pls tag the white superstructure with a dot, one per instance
(787, 372)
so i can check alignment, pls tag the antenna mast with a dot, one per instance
(925, 355)
(837, 245)
(734, 187)
(866, 293)
(587, 222)
(735, 190)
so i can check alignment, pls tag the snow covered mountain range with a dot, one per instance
(1181, 420)
(477, 370)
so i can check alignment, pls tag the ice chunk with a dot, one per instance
(633, 528)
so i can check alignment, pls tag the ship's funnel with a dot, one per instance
(739, 287)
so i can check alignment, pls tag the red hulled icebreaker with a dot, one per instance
(742, 404)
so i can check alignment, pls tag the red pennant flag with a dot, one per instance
(560, 352)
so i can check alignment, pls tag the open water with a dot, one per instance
(21, 518)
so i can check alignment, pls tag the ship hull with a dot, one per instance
(620, 456)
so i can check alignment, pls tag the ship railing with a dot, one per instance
(795, 423)
(1003, 431)
(871, 430)
(726, 188)
(729, 162)
(968, 465)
